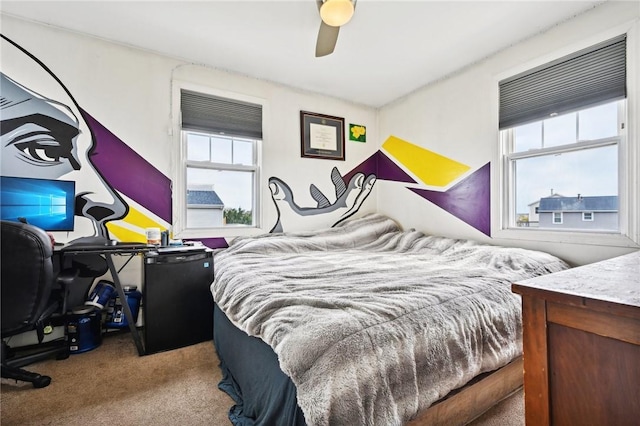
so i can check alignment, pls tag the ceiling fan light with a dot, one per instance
(336, 12)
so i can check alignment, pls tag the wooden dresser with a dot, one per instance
(581, 341)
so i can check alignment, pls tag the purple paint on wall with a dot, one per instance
(126, 171)
(468, 200)
(381, 166)
(389, 170)
(213, 243)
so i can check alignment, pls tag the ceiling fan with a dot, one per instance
(334, 14)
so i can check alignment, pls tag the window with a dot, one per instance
(221, 177)
(563, 161)
(219, 165)
(557, 218)
(563, 146)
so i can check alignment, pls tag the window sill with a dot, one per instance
(569, 237)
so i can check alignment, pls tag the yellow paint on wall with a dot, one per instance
(137, 219)
(431, 168)
(124, 234)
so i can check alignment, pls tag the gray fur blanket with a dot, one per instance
(374, 324)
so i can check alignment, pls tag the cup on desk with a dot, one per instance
(153, 236)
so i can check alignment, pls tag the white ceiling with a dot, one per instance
(389, 49)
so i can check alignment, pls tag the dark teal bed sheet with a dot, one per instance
(251, 376)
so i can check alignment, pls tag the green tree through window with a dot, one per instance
(237, 216)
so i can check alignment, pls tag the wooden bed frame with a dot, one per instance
(471, 401)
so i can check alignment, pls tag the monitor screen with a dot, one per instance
(47, 204)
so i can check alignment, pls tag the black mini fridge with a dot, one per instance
(177, 301)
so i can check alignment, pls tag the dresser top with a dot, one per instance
(614, 280)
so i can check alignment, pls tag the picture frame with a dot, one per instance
(321, 136)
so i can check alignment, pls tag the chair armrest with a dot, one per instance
(65, 279)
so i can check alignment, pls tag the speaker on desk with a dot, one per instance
(178, 305)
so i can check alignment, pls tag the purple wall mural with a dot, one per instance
(468, 200)
(128, 172)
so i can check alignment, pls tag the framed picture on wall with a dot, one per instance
(321, 136)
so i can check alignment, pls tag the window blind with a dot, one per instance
(208, 113)
(586, 78)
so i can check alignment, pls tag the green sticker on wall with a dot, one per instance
(357, 133)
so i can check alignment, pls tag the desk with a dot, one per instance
(108, 251)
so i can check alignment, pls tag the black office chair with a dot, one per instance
(27, 304)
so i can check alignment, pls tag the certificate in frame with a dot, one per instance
(321, 136)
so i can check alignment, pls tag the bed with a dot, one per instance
(364, 323)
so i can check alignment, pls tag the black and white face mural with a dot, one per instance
(349, 197)
(43, 134)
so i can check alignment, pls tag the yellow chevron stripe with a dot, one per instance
(124, 234)
(138, 220)
(431, 168)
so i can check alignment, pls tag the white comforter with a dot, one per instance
(374, 324)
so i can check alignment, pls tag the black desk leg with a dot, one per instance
(125, 306)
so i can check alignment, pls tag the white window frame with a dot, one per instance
(628, 161)
(180, 162)
(556, 215)
(588, 216)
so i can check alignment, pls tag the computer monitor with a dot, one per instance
(45, 203)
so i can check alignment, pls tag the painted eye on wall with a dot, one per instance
(41, 140)
(43, 149)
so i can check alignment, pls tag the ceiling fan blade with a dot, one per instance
(327, 38)
(327, 35)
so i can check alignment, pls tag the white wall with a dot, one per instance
(458, 118)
